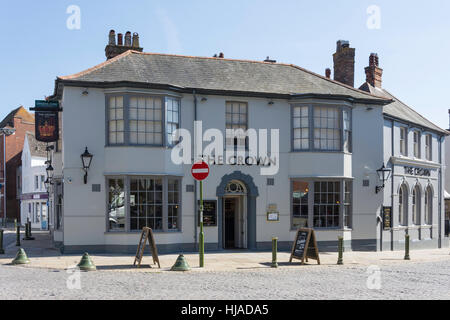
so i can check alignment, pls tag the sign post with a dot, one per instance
(200, 171)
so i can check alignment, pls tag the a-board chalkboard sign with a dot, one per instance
(146, 235)
(305, 246)
(209, 213)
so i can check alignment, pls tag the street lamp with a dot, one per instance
(47, 184)
(49, 171)
(86, 158)
(384, 174)
(5, 132)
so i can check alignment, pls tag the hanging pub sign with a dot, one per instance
(46, 121)
(387, 218)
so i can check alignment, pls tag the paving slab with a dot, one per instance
(43, 255)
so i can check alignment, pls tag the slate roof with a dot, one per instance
(400, 110)
(230, 76)
(224, 75)
(37, 148)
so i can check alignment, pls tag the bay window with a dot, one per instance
(142, 120)
(321, 204)
(321, 128)
(148, 201)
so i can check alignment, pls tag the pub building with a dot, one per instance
(356, 163)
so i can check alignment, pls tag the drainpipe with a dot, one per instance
(392, 185)
(195, 181)
(440, 193)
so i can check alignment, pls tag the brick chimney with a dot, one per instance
(112, 49)
(373, 72)
(344, 63)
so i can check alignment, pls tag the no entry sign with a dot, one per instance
(200, 170)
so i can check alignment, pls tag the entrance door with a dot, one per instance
(234, 223)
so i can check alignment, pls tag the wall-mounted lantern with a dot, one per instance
(86, 158)
(47, 184)
(49, 171)
(384, 175)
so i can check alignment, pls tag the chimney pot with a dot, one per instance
(344, 63)
(328, 73)
(221, 55)
(128, 39)
(135, 40)
(112, 38)
(120, 39)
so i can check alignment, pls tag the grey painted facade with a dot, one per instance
(126, 174)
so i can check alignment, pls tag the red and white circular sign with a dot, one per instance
(200, 170)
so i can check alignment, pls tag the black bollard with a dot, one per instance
(18, 235)
(1, 242)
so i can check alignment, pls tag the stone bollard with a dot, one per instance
(407, 247)
(2, 251)
(340, 250)
(274, 252)
(18, 235)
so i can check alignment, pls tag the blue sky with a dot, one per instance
(413, 42)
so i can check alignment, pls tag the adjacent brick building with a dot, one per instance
(22, 121)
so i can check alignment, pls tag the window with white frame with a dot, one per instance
(403, 205)
(428, 141)
(347, 204)
(142, 120)
(403, 141)
(416, 205)
(428, 206)
(347, 121)
(36, 183)
(416, 144)
(300, 212)
(173, 119)
(236, 118)
(300, 119)
(153, 202)
(327, 200)
(116, 120)
(327, 131)
(145, 121)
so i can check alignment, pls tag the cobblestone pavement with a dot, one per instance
(421, 280)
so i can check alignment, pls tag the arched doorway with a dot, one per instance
(237, 211)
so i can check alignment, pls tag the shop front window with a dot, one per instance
(147, 201)
(326, 204)
(321, 204)
(300, 191)
(116, 206)
(146, 204)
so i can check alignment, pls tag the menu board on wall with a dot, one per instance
(387, 218)
(209, 213)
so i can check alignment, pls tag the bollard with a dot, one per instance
(1, 242)
(340, 250)
(29, 231)
(274, 252)
(18, 235)
(407, 247)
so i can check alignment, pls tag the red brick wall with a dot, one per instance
(14, 146)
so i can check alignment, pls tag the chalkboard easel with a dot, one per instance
(305, 246)
(146, 235)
